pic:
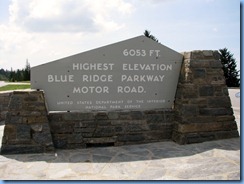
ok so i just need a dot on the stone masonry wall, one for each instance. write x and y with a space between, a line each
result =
26 126
4 101
202 104
79 130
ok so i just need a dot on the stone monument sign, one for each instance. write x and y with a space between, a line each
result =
131 92
137 73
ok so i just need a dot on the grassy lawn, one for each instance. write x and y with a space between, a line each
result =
14 87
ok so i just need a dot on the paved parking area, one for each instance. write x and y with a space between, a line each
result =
215 160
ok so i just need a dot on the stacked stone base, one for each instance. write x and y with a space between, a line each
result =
80 130
203 109
198 137
26 125
4 101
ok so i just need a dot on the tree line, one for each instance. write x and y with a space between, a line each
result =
16 75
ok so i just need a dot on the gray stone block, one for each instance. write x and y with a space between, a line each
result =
189 110
159 135
156 126
198 119
159 118
62 127
36 128
35 119
131 138
75 139
207 90
125 116
101 116
136 115
23 132
199 64
218 102
189 91
30 98
107 131
215 111
86 116
98 140
59 142
34 106
207 53
198 138
216 64
229 125
16 103
199 73
42 138
71 116
85 124
10 119
113 115
119 130
227 134
136 128
87 130
20 149
87 134
103 122
55 117
225 118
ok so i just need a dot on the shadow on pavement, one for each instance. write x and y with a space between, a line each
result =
129 153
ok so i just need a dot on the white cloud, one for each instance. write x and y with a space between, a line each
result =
42 10
44 30
68 15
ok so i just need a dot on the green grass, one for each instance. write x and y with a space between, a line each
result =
14 87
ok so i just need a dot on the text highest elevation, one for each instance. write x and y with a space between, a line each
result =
137 73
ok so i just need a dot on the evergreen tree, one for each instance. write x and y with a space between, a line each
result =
19 75
4 74
229 66
149 35
12 76
26 71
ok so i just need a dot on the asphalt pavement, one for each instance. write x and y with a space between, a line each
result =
2 83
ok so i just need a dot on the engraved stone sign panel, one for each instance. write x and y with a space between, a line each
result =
135 74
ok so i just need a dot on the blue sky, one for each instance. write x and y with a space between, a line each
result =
43 31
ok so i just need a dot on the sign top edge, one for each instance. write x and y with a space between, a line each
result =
141 37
